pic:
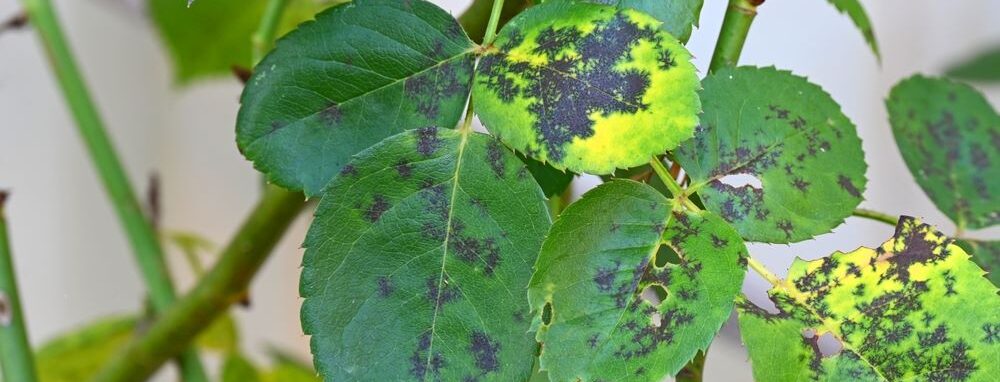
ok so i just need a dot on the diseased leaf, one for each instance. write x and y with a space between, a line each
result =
80 354
914 309
417 262
599 258
361 72
949 136
211 37
854 10
788 135
587 87
678 16
986 254
985 66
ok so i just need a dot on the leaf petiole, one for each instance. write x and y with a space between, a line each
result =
671 183
491 26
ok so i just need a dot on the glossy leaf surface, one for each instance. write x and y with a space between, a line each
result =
587 87
914 309
595 264
360 73
790 136
418 260
949 136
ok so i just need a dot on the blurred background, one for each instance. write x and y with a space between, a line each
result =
75 265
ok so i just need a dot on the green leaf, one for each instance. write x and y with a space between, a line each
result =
237 368
80 354
552 180
290 373
587 87
600 257
914 309
986 254
361 72
985 66
949 136
417 262
209 38
221 336
857 13
789 135
678 16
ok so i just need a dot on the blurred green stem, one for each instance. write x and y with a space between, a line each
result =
876 216
140 233
223 285
475 19
263 37
735 27
16 356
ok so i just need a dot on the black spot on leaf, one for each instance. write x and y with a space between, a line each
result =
378 207
385 286
428 141
494 156
485 351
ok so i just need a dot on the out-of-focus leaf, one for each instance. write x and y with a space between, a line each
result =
985 66
949 136
914 309
857 13
587 87
237 368
222 335
986 254
209 38
80 354
552 180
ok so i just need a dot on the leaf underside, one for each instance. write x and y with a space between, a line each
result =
913 309
359 73
598 259
986 254
949 136
587 87
417 261
791 136
854 10
210 38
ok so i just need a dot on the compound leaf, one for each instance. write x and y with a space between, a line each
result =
359 73
985 66
210 38
857 13
986 254
789 135
600 257
417 262
949 136
914 309
587 87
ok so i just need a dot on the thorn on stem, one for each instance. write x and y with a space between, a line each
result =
18 21
153 200
3 198
241 73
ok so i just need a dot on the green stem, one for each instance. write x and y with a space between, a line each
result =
475 18
140 233
559 202
671 183
758 267
877 216
491 26
263 38
221 287
15 352
735 26
694 370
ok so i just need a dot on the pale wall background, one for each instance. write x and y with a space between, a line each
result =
74 263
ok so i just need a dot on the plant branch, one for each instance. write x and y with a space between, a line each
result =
758 267
15 352
475 18
671 183
491 26
263 37
876 216
735 26
223 285
140 233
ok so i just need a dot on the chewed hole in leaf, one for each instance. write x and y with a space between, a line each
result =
742 180
666 255
654 294
829 345
547 313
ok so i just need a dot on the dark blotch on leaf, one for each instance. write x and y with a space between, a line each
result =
484 350
846 184
378 207
428 141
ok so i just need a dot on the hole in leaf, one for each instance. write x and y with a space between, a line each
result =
829 345
654 294
666 255
547 313
741 180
